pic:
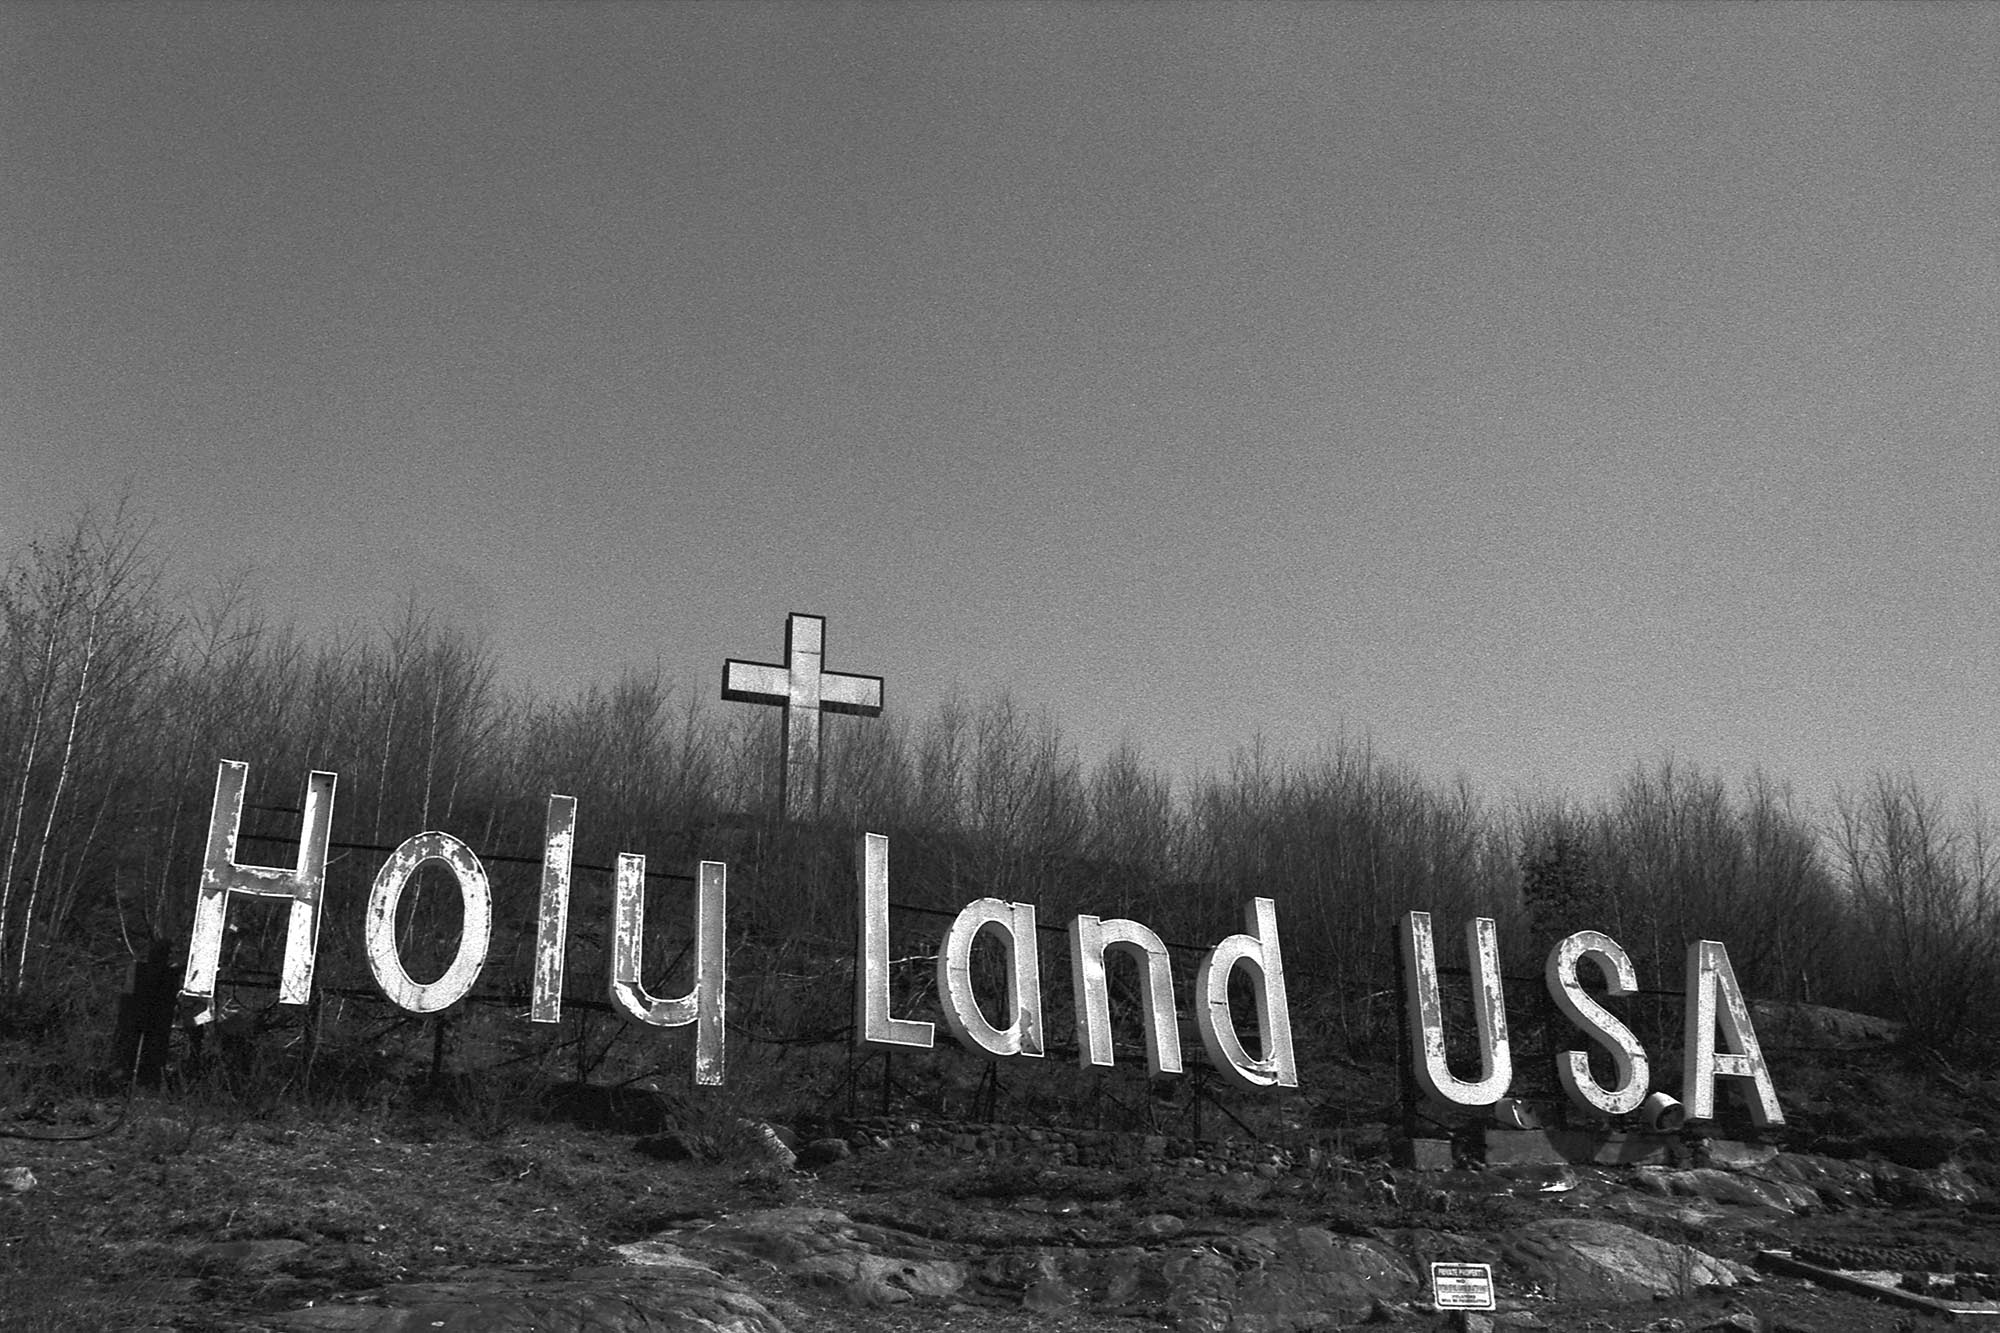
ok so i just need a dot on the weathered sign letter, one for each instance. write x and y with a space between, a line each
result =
1712 994
1595 1021
552 913
878 1031
1089 940
1256 952
475 929
1426 1010
1014 924
221 876
702 1005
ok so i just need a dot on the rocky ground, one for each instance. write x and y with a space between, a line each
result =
562 1209
180 1218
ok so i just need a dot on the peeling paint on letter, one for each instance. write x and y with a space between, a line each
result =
1089 940
221 877
877 1030
1496 1057
1257 952
552 913
703 1004
1712 995
1014 925
1595 1021
475 927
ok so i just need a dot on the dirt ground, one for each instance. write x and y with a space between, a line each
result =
204 1212
132 1228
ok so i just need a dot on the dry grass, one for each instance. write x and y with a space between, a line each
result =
114 1233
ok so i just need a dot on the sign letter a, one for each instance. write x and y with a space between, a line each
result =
1713 996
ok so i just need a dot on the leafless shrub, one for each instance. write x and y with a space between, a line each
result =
116 704
1927 921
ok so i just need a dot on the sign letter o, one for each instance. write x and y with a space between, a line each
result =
475 929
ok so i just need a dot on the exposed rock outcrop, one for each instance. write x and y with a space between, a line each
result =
1586 1258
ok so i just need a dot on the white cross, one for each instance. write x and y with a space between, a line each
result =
805 691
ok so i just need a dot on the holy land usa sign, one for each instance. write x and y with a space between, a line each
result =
1721 1042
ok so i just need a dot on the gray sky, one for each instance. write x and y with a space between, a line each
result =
1540 388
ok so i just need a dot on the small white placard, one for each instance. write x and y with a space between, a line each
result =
1462 1286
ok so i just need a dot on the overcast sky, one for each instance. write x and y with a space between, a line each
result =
1537 388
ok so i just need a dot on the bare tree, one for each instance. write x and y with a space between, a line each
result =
1927 916
1135 832
85 636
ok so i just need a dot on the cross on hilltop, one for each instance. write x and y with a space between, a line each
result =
805 690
